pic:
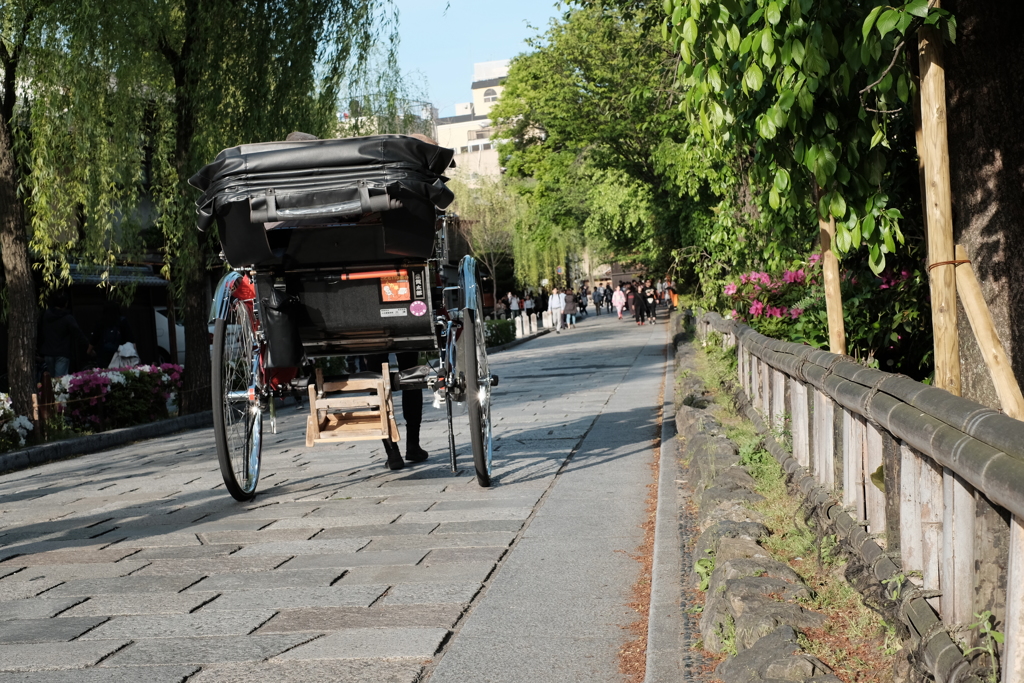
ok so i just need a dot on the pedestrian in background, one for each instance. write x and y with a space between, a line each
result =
598 299
528 305
609 293
112 330
570 310
619 301
582 298
556 303
649 295
513 305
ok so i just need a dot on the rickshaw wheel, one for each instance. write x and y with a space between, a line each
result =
237 416
478 393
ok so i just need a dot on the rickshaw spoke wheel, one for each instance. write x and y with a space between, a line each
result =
237 415
478 392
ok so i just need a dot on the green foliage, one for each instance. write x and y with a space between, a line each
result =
704 567
991 639
790 81
491 212
500 332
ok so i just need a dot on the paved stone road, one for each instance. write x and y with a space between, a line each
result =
135 565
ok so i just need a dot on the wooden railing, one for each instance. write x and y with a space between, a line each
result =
924 471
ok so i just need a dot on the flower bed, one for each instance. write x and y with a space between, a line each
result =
14 428
98 400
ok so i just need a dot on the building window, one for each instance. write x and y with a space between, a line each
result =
463 150
490 95
479 134
487 146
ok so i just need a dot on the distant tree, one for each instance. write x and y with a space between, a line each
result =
490 212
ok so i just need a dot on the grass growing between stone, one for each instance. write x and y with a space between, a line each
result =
854 641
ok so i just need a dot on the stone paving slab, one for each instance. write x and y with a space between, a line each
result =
431 593
324 619
202 623
72 556
46 630
363 559
435 540
149 674
164 651
349 671
68 572
128 604
311 547
135 583
76 655
39 608
212 565
268 580
341 595
421 573
360 643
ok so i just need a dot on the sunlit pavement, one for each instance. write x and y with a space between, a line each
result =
135 565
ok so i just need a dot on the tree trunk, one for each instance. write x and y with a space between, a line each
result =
186 64
195 307
985 76
22 312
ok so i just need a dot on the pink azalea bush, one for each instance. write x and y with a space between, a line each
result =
768 302
101 399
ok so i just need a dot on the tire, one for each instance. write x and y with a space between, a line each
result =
478 394
237 416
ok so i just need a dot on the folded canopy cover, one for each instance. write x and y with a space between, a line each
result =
321 180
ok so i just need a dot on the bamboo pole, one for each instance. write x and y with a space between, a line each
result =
830 269
988 339
938 209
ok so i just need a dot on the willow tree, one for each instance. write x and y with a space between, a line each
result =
71 162
238 72
94 94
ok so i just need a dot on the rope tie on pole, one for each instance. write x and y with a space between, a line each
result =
952 262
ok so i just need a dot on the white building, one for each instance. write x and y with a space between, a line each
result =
469 131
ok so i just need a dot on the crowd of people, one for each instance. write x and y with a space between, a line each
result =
639 298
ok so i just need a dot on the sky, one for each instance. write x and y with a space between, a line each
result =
442 39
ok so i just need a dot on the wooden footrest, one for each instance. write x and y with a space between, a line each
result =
352 409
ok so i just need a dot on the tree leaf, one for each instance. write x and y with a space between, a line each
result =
876 259
773 198
733 37
867 226
870 21
767 41
772 14
753 77
786 100
690 30
798 52
838 205
919 8
887 22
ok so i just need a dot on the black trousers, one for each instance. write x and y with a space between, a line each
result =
412 399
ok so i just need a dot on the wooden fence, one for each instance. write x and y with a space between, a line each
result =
915 465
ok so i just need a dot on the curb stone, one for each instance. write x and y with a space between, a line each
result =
83 445
742 613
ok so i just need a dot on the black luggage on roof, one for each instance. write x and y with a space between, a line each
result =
381 190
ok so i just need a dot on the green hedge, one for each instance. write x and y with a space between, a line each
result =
500 332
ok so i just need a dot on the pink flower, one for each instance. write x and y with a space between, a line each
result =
734 315
813 260
744 279
794 276
756 308
795 313
730 289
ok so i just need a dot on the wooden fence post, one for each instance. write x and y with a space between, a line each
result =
778 419
957 577
824 431
930 493
766 391
1013 653
911 525
874 498
801 428
755 381
853 463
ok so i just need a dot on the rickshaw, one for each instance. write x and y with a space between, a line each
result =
338 248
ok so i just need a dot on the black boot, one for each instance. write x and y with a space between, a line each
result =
394 455
412 409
